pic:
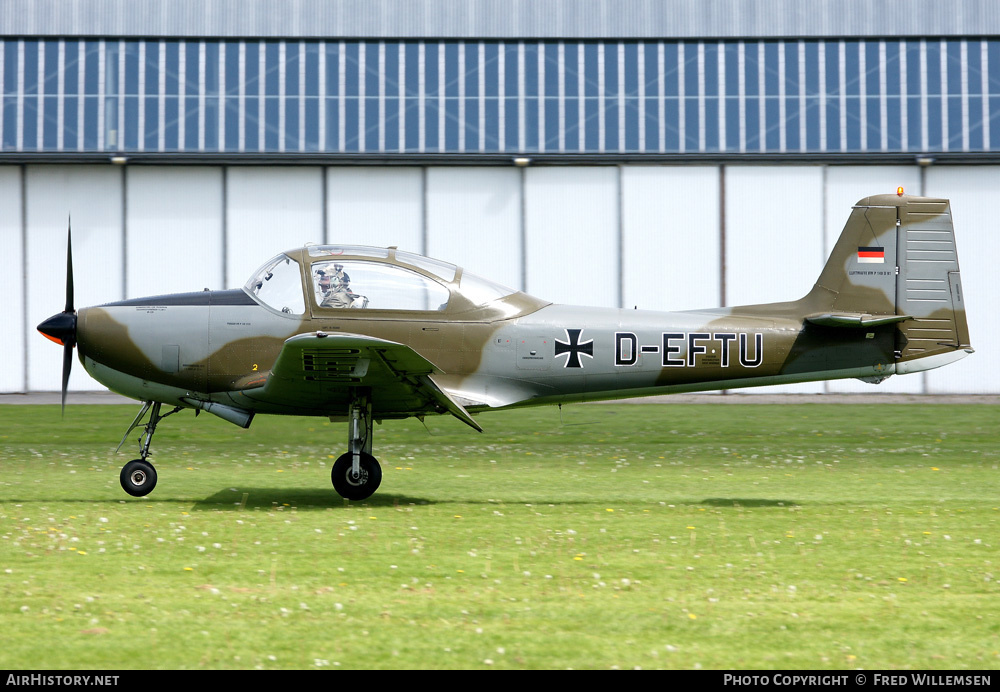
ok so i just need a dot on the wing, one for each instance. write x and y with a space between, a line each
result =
316 371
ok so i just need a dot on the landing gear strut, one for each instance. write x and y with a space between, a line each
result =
356 474
138 477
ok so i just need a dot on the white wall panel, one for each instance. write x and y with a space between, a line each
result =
774 238
173 230
11 287
781 222
670 216
270 209
774 232
474 220
92 195
572 234
845 186
972 191
378 206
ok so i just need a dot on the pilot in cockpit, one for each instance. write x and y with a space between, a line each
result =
323 282
336 287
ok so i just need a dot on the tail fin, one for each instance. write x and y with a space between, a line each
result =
896 261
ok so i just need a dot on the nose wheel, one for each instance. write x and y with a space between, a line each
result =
138 478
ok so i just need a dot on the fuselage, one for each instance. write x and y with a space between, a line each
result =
221 346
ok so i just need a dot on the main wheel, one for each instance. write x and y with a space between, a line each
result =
356 487
138 478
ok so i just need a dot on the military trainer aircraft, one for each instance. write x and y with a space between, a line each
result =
364 334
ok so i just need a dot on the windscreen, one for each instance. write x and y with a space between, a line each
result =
278 284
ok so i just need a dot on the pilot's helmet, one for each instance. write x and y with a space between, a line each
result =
338 267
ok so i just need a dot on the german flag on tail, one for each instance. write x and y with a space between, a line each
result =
871 255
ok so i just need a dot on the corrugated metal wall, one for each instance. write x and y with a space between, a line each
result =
650 236
157 99
498 18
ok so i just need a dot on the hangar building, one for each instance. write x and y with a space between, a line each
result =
665 155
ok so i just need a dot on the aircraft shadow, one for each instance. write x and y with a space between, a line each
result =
299 498
321 498
747 502
305 498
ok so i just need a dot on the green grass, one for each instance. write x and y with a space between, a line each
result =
652 536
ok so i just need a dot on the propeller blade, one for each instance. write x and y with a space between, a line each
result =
61 328
69 268
67 366
68 348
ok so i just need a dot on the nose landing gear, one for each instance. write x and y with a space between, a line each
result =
138 477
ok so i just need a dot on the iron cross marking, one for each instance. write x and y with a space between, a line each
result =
574 348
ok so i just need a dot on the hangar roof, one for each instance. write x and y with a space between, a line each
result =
499 19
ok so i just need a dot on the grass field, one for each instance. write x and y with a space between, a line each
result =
652 536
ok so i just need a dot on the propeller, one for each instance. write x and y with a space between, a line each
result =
61 328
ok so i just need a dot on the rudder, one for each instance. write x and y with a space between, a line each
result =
929 286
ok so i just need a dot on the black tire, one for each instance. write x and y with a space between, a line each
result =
356 488
138 478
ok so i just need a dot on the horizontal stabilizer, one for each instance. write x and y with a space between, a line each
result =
854 319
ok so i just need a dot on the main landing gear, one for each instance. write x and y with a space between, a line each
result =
138 477
356 474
